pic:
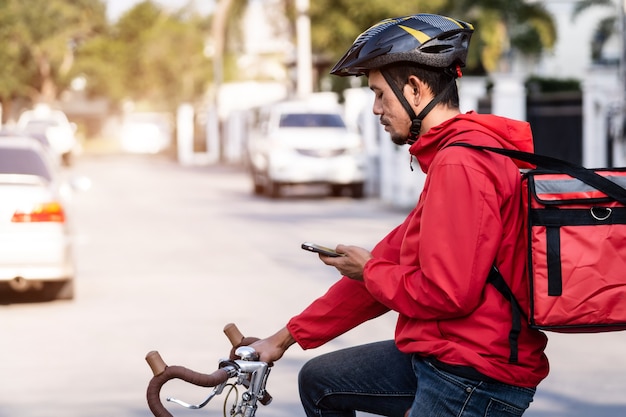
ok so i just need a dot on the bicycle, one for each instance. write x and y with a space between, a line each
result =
247 372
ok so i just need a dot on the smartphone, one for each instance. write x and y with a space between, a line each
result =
312 247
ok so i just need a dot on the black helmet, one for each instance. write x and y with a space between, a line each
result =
426 39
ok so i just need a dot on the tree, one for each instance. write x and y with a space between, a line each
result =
38 39
606 27
148 56
504 28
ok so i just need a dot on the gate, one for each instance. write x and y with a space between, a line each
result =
556 120
557 124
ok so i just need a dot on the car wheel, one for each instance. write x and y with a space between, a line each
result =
259 181
273 189
257 185
60 290
258 189
336 190
357 190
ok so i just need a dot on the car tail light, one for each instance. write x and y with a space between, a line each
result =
44 212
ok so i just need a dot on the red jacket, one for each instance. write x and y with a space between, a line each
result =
432 269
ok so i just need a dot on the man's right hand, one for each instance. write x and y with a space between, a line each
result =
273 348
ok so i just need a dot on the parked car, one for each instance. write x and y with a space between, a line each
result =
146 132
54 124
304 143
35 232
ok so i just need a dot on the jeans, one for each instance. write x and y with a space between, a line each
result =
379 379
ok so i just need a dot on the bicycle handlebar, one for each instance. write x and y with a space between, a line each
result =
233 334
162 373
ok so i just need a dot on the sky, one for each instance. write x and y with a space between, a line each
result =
115 8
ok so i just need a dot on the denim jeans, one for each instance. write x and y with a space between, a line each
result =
379 379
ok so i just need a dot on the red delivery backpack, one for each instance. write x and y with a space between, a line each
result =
576 228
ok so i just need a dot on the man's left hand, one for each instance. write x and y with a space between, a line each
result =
352 263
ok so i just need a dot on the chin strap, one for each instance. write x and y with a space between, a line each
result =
416 120
416 124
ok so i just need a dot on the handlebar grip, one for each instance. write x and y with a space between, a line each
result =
234 335
163 373
238 339
156 362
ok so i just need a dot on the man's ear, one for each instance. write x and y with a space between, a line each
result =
418 87
414 83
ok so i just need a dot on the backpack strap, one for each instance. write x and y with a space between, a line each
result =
495 278
579 172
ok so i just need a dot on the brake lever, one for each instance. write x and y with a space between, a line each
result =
216 391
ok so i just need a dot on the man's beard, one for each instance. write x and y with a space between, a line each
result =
399 139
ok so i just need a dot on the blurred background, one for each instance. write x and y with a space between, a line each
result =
189 77
162 161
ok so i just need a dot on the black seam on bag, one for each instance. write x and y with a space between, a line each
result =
529 261
553 252
575 217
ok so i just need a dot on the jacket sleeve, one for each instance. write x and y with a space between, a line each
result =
448 250
345 305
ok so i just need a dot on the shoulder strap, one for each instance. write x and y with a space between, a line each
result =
585 175
496 279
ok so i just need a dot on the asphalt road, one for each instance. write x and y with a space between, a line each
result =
167 255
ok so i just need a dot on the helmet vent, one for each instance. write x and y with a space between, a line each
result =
437 49
422 39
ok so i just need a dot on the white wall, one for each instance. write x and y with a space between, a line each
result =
571 56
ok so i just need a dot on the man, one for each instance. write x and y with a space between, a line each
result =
452 355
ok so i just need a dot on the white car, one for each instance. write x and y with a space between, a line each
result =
54 124
146 132
35 236
302 143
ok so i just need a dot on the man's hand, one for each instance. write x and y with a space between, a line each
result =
352 263
273 348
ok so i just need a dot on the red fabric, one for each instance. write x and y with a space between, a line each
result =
592 258
432 268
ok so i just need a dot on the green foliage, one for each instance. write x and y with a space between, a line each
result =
37 40
148 55
161 57
503 27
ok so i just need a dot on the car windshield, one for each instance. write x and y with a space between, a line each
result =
24 162
311 120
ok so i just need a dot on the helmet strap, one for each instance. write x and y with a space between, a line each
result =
416 124
416 120
430 106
